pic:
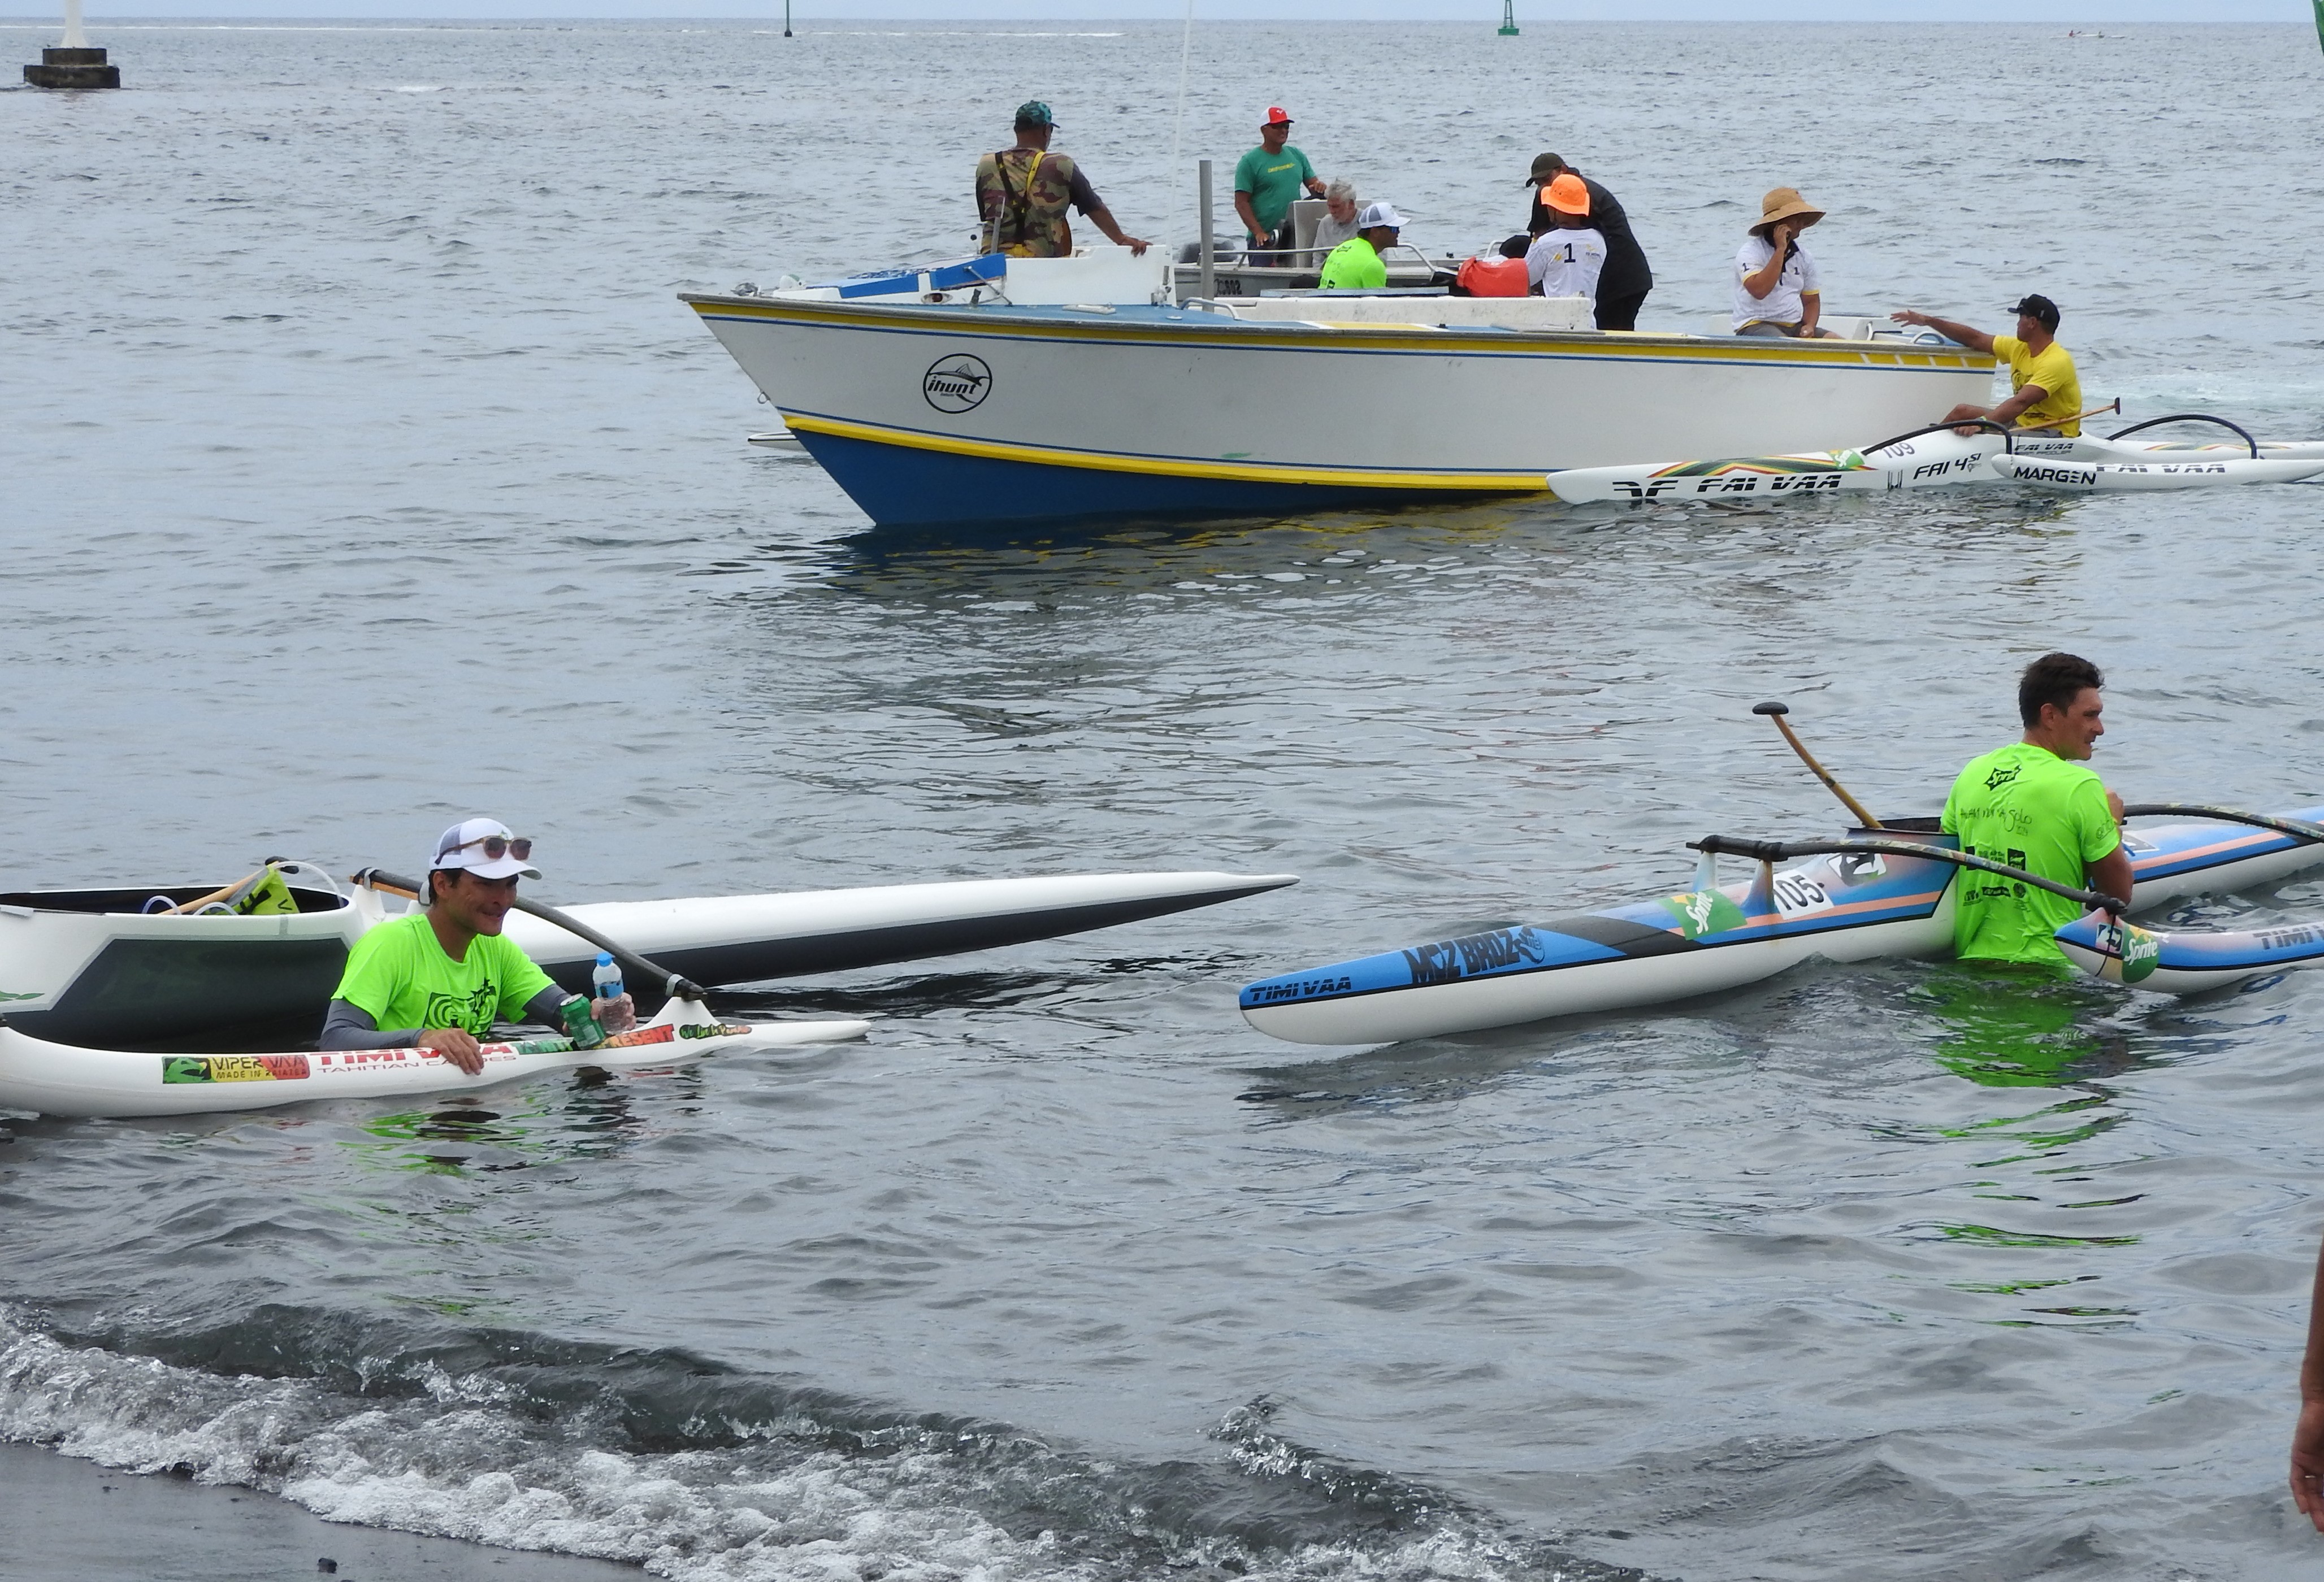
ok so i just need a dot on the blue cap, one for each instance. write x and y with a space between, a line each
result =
604 958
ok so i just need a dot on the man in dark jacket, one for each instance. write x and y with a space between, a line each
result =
1623 285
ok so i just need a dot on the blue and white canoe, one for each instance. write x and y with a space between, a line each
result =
1841 907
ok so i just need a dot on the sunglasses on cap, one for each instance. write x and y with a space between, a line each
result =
495 848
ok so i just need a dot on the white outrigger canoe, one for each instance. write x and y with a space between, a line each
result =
1849 905
69 1081
1938 456
88 967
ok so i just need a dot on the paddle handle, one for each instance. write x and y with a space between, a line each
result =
2114 406
198 902
1776 711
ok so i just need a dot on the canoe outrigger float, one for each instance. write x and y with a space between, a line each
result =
65 1080
1876 892
1938 456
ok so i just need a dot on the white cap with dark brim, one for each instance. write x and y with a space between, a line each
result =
461 846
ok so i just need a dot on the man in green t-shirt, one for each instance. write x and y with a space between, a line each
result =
2046 392
2033 806
439 978
1268 179
1355 265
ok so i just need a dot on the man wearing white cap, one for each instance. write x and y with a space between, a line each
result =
1355 264
439 978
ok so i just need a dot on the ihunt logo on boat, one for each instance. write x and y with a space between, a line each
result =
957 382
1701 912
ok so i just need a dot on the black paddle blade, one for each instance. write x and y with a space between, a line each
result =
1771 708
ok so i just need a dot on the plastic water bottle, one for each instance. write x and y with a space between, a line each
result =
605 982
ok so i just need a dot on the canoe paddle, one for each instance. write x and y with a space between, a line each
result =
1776 711
674 985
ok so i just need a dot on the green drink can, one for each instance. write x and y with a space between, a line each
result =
579 1025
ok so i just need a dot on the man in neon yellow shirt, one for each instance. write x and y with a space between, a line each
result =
2046 392
1355 265
2033 806
439 978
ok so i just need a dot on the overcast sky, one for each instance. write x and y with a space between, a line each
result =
828 13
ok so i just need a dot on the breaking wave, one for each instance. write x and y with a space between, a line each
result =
698 1471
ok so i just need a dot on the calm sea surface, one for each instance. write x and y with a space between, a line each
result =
360 471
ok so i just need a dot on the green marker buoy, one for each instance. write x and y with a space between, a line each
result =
1509 18
2319 21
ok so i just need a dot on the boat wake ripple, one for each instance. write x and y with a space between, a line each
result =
696 1470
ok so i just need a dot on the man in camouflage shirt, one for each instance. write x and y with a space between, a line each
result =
1022 194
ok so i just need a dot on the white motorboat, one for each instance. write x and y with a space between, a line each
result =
89 967
1005 390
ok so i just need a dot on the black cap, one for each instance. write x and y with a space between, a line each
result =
2041 307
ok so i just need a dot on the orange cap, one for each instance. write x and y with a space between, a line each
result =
1568 194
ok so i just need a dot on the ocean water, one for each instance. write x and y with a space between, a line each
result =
361 471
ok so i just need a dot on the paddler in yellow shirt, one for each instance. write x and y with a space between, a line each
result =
2045 391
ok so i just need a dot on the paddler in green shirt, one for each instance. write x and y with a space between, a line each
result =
439 978
2033 806
1355 265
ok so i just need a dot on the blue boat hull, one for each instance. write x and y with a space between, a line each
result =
899 485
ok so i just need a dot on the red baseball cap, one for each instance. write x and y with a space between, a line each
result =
1276 115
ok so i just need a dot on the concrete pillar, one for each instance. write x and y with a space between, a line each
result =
74 64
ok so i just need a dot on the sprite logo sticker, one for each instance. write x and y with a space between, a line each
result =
2140 951
1701 912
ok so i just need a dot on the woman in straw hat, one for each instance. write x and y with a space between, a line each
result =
1778 290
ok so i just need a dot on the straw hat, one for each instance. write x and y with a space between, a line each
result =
1784 203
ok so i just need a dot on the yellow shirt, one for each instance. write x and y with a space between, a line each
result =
2053 370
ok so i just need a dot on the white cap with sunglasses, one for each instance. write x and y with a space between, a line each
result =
485 847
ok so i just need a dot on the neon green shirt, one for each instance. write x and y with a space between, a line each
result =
1352 266
1274 182
400 973
2027 806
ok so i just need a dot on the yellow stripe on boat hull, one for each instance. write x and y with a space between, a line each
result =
1170 467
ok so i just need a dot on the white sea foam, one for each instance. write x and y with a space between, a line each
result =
461 1459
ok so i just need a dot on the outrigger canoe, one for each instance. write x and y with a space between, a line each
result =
1848 905
88 967
66 1080
1938 456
